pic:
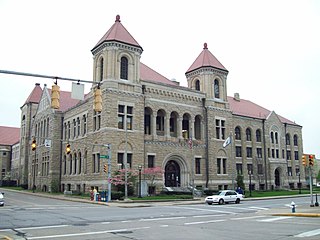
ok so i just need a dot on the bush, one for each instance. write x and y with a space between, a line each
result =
117 195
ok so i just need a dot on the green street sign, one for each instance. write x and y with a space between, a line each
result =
104 156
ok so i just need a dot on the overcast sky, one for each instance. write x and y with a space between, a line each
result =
271 48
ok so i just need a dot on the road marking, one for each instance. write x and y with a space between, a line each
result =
309 233
243 218
88 233
204 222
204 216
260 208
105 222
273 219
159 219
207 210
164 225
43 227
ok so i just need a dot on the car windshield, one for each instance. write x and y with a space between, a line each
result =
221 193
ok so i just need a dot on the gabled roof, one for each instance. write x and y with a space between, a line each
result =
149 74
35 95
247 108
9 135
206 59
119 33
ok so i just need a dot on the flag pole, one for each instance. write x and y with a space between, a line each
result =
233 164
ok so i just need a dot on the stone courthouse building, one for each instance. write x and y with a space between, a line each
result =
151 121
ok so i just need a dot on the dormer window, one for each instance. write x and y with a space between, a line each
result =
216 89
124 68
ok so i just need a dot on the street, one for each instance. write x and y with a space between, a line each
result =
32 217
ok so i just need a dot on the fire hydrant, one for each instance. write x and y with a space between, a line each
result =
293 207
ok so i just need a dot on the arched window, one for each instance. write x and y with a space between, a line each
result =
248 134
287 139
295 140
237 133
197 85
124 68
258 135
101 70
276 137
216 89
272 137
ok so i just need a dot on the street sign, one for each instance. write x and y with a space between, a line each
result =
104 156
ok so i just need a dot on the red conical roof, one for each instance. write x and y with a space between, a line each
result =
206 59
35 95
119 33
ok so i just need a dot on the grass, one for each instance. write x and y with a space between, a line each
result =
279 193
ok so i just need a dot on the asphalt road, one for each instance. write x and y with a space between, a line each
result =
33 217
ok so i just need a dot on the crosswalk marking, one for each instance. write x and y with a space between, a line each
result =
309 233
273 219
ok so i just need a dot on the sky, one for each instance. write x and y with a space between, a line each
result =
271 48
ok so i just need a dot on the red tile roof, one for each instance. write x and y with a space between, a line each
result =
249 109
149 74
9 135
119 33
206 59
35 95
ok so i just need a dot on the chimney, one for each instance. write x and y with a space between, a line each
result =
237 97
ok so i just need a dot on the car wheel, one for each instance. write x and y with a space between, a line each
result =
237 201
209 203
221 201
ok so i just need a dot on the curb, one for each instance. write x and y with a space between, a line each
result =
297 214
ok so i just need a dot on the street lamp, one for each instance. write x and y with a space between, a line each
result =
34 174
140 168
299 184
250 188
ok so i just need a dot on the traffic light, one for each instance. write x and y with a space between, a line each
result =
304 160
68 149
34 144
105 168
97 104
55 96
311 160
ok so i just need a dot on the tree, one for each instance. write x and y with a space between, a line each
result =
152 174
118 180
240 182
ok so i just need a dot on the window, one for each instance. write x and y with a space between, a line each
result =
124 68
259 152
237 133
288 155
69 130
84 124
272 153
248 134
78 127
74 128
272 137
197 85
198 165
260 168
277 153
295 140
125 112
151 161
221 166
250 168
101 70
96 120
249 152
239 169
296 155
220 129
238 151
96 163
276 137
216 89
121 160
287 139
289 171
258 135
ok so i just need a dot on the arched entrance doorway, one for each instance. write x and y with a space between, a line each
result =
277 178
172 174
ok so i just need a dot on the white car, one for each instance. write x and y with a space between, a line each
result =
1 199
224 196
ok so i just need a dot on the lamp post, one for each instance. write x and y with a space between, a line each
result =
140 168
250 184
299 183
34 174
